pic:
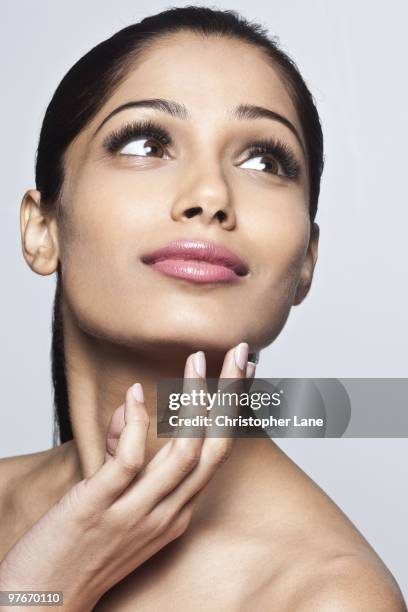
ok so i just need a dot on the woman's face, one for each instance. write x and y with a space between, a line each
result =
125 198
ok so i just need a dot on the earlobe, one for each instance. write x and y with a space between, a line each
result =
39 235
306 275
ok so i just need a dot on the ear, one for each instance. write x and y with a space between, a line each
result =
306 274
39 235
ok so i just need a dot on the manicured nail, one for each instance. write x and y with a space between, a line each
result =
250 371
189 369
241 355
199 363
137 391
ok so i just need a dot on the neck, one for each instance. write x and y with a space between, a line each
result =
98 376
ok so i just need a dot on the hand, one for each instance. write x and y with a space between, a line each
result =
107 525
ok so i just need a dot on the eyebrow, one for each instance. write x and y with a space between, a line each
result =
179 111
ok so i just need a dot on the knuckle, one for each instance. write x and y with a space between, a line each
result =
118 518
129 465
180 524
127 515
219 452
188 458
91 521
110 521
160 522
141 418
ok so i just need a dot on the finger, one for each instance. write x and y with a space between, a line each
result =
171 526
194 377
117 473
177 458
231 385
116 426
215 450
184 472
188 435
251 369
250 375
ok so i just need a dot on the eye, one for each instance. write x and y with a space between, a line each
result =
139 139
274 157
265 163
143 147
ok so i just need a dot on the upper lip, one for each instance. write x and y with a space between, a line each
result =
198 250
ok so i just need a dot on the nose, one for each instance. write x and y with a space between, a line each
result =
205 196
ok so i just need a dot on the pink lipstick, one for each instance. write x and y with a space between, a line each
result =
197 261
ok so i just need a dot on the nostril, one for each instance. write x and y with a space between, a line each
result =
192 211
221 215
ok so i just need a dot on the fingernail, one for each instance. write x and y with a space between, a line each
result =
241 355
137 391
199 363
250 370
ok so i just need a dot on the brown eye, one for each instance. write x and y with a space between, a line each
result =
143 147
266 163
273 157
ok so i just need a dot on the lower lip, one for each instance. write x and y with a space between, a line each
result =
196 271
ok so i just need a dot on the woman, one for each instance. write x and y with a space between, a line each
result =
189 137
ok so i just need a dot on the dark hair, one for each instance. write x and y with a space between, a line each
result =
89 83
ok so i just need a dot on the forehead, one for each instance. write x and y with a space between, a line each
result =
209 75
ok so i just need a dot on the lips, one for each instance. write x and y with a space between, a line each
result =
198 261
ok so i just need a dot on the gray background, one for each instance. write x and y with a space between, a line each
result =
354 321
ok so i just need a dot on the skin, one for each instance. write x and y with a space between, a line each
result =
276 539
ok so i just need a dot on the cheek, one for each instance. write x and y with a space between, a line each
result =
284 247
108 226
279 240
113 214
277 227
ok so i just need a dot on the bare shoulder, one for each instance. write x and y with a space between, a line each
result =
354 584
344 583
24 492
325 563
16 468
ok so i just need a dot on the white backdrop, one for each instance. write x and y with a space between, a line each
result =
353 323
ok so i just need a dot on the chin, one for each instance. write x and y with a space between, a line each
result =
211 336
201 327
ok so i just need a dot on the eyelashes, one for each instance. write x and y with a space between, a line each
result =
130 131
277 151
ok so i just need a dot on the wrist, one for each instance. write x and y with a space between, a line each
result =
75 599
